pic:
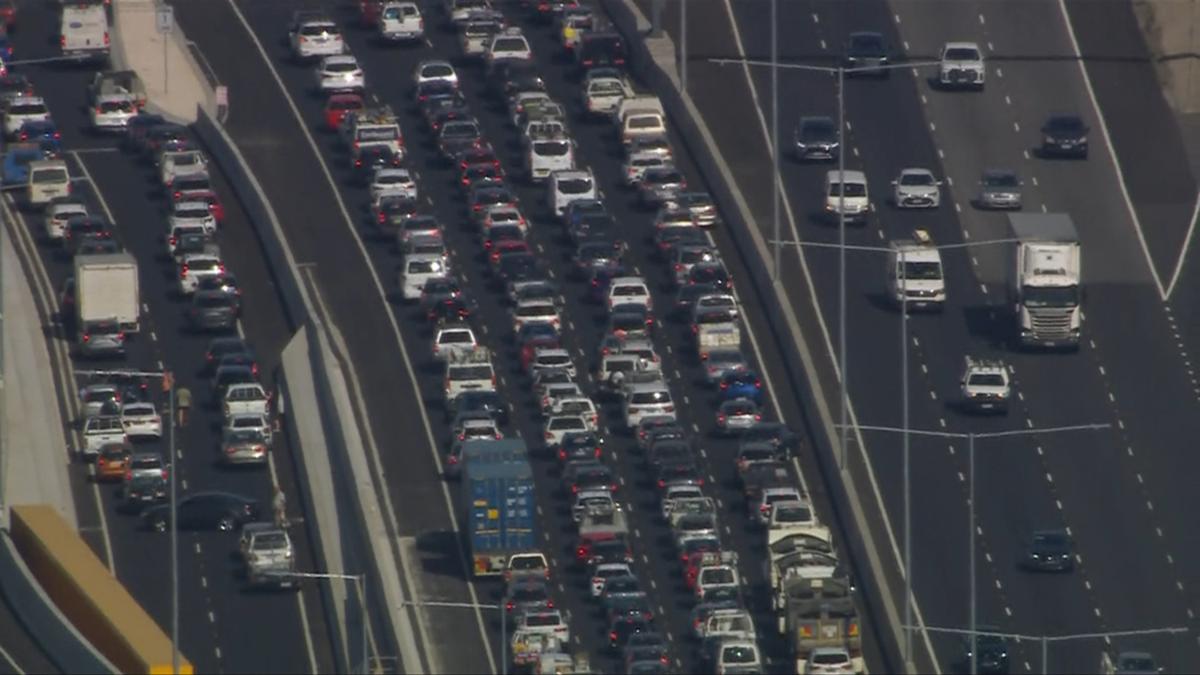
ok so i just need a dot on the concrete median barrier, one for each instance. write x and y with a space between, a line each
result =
653 60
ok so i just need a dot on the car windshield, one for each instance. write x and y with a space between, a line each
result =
424 267
852 189
246 436
962 54
869 43
830 659
270 540
440 70
603 87
1050 540
645 122
916 179
923 271
341 67
460 130
575 186
50 176
551 148
1001 180
1064 296
1065 124
27 109
471 373
738 655
456 337
986 380
819 130
514 44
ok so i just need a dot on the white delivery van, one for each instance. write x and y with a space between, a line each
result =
48 178
83 32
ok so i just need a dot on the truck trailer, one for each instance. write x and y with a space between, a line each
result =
106 289
1045 289
500 504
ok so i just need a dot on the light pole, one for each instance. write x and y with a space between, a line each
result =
1045 640
970 437
840 72
683 45
902 273
360 587
168 385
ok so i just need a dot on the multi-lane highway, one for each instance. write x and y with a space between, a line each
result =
1118 491
388 339
223 627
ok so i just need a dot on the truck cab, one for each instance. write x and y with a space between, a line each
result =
915 276
1046 286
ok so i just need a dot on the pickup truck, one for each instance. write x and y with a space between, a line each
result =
118 83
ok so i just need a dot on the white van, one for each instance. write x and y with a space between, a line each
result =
48 178
640 116
853 184
83 32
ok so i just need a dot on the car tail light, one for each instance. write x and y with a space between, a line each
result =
703 356
562 455
662 484
86 337
574 489
453 459
587 62
612 487
509 605
106 39
720 419
62 41
581 552
612 636
121 335
764 509
550 604
757 418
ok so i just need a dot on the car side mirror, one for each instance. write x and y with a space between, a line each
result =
939 183
894 182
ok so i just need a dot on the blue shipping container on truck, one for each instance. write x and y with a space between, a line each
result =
501 504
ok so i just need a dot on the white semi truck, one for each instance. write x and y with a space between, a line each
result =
107 290
1045 289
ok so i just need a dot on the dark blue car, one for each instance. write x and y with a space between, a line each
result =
741 384
41 131
16 162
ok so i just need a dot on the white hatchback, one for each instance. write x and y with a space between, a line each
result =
141 420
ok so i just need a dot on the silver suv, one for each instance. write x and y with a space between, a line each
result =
985 386
267 552
99 339
1000 189
917 188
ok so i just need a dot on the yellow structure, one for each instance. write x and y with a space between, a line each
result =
88 595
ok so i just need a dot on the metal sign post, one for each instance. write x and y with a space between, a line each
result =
164 21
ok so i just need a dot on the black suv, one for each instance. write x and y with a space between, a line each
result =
600 50
1065 136
867 54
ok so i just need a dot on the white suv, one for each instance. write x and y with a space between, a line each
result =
315 36
645 399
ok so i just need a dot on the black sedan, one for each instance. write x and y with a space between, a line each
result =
222 511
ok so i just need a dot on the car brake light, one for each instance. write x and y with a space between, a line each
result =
86 337
703 356
562 454
453 459
757 418
662 484
612 487
721 419
613 636
106 40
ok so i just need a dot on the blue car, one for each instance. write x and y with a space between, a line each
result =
16 162
741 384
41 131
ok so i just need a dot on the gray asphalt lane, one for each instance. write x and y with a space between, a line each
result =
884 148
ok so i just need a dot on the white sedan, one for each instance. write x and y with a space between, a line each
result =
141 420
392 182
340 73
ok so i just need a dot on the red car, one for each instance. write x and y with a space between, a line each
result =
338 105
369 11
214 202
502 247
8 13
